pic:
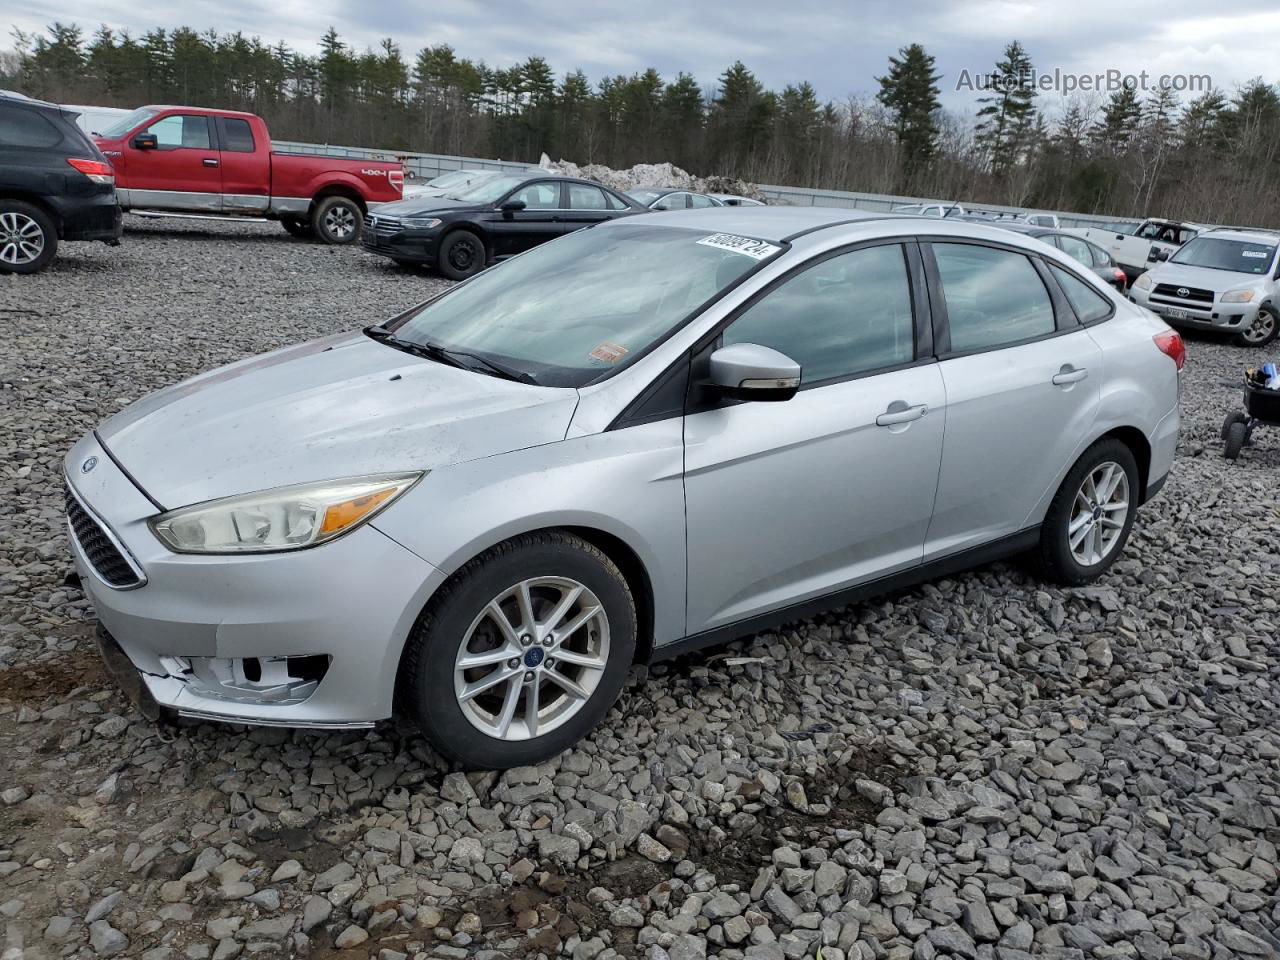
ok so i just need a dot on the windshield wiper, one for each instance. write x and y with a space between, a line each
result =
433 351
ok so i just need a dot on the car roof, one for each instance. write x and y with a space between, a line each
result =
200 110
1246 234
22 98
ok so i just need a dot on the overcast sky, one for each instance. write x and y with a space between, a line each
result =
840 48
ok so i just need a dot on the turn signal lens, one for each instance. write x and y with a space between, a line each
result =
340 516
95 170
1170 344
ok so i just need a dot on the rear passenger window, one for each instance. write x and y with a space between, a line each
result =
698 200
846 315
239 135
26 128
584 197
1087 302
993 297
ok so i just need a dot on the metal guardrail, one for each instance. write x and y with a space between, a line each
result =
424 166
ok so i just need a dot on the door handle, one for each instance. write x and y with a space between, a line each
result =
903 414
1069 374
209 162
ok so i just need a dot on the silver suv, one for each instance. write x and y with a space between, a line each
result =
652 435
1224 279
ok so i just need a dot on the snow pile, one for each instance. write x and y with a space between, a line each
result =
651 175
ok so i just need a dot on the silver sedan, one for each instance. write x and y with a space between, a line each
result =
659 433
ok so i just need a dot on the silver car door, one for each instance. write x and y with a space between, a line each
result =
789 501
1022 381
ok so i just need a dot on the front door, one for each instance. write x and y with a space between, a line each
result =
1022 383
790 501
515 231
181 172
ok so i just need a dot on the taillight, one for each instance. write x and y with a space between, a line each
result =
95 170
396 179
1120 277
1170 343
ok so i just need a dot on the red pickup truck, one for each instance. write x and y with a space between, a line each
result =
193 162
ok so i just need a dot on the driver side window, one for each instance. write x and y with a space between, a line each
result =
846 315
176 132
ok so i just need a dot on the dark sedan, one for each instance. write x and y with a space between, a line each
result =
1073 245
497 218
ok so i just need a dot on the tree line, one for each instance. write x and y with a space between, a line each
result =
1211 156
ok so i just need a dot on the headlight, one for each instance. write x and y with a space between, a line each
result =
1239 296
1143 282
286 518
419 223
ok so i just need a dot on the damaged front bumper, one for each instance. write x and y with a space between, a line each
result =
310 638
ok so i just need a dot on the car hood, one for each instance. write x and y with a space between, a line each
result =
425 206
1205 278
343 406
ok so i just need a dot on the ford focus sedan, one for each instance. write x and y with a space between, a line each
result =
651 435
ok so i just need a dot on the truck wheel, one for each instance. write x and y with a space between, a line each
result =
337 220
521 653
28 238
461 255
296 227
1264 329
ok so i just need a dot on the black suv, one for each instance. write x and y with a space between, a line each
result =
55 184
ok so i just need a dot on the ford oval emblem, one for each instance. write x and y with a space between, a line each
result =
88 464
1183 292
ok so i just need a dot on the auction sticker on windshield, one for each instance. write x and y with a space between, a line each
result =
755 249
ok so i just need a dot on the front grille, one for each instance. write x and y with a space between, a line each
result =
383 226
98 546
1176 290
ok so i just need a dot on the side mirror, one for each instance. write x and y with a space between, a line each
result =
512 206
748 371
145 141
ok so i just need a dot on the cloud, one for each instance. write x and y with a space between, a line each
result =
839 48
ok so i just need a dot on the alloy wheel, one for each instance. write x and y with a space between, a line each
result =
532 658
1263 326
1098 514
340 222
21 239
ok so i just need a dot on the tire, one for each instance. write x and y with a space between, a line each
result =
297 228
459 620
28 238
462 255
337 220
1089 558
1237 433
1264 329
1234 417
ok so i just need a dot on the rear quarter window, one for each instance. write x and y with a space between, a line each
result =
22 127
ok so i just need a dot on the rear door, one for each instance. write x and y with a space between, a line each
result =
182 172
794 500
245 166
586 205
515 231
1022 380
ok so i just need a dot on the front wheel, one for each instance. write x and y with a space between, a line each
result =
28 238
337 220
1264 329
1091 515
521 653
461 255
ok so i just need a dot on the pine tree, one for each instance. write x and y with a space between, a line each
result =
1119 121
910 92
1007 118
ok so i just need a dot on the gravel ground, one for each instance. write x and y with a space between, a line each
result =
983 767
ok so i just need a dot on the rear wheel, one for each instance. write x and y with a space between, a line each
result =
521 653
1264 328
1091 515
28 238
1237 433
461 255
296 227
337 220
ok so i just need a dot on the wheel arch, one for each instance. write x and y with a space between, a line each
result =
37 201
1140 447
337 189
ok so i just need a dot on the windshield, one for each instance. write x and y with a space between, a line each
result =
1216 253
122 126
450 179
586 304
489 190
